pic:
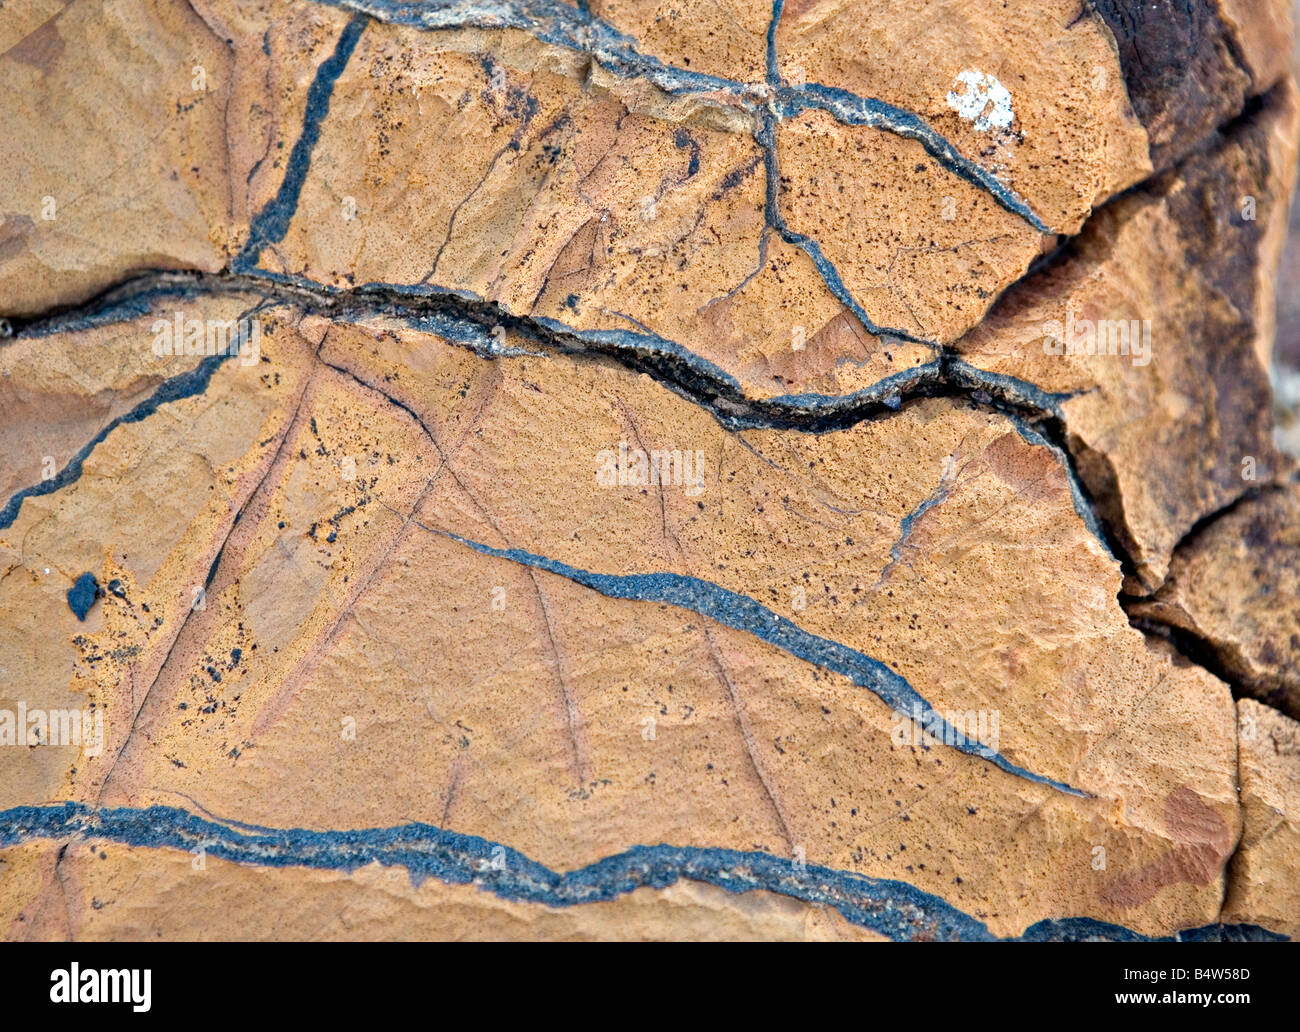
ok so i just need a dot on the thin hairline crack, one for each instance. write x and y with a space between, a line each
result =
576 29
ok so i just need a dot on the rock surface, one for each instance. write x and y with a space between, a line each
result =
634 492
1159 429
1234 591
1259 892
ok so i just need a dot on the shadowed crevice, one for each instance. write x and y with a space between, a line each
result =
742 613
468 321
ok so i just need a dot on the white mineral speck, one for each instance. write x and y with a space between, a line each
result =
984 101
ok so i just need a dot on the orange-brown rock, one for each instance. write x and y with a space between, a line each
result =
1269 758
301 693
1152 328
637 470
1233 591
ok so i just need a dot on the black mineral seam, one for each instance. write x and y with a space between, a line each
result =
469 321
559 24
272 222
894 909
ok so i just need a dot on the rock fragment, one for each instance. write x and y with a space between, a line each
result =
1233 591
607 470
1155 325
1261 887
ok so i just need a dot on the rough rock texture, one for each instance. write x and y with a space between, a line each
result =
1262 887
1234 591
645 486
98 881
1163 438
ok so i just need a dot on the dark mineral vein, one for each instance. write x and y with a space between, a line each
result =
850 109
830 275
572 28
895 909
742 613
562 25
184 385
469 321
272 223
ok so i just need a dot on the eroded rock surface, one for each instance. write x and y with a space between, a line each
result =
634 467
1234 591
1259 892
1152 327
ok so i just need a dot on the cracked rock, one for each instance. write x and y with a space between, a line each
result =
641 470
385 521
1234 590
1259 892
1156 326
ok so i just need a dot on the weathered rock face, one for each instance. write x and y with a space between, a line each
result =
554 466
1233 593
1269 757
1148 330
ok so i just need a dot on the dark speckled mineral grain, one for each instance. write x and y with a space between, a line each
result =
82 595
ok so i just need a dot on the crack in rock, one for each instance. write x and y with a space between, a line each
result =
891 908
742 613
471 322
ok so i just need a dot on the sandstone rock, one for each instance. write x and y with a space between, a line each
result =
1234 590
138 135
1053 121
628 494
1160 429
182 464
1258 891
301 694
226 901
1190 67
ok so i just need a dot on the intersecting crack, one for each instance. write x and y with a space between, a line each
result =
1223 659
469 321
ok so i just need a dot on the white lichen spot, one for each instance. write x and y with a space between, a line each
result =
982 100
